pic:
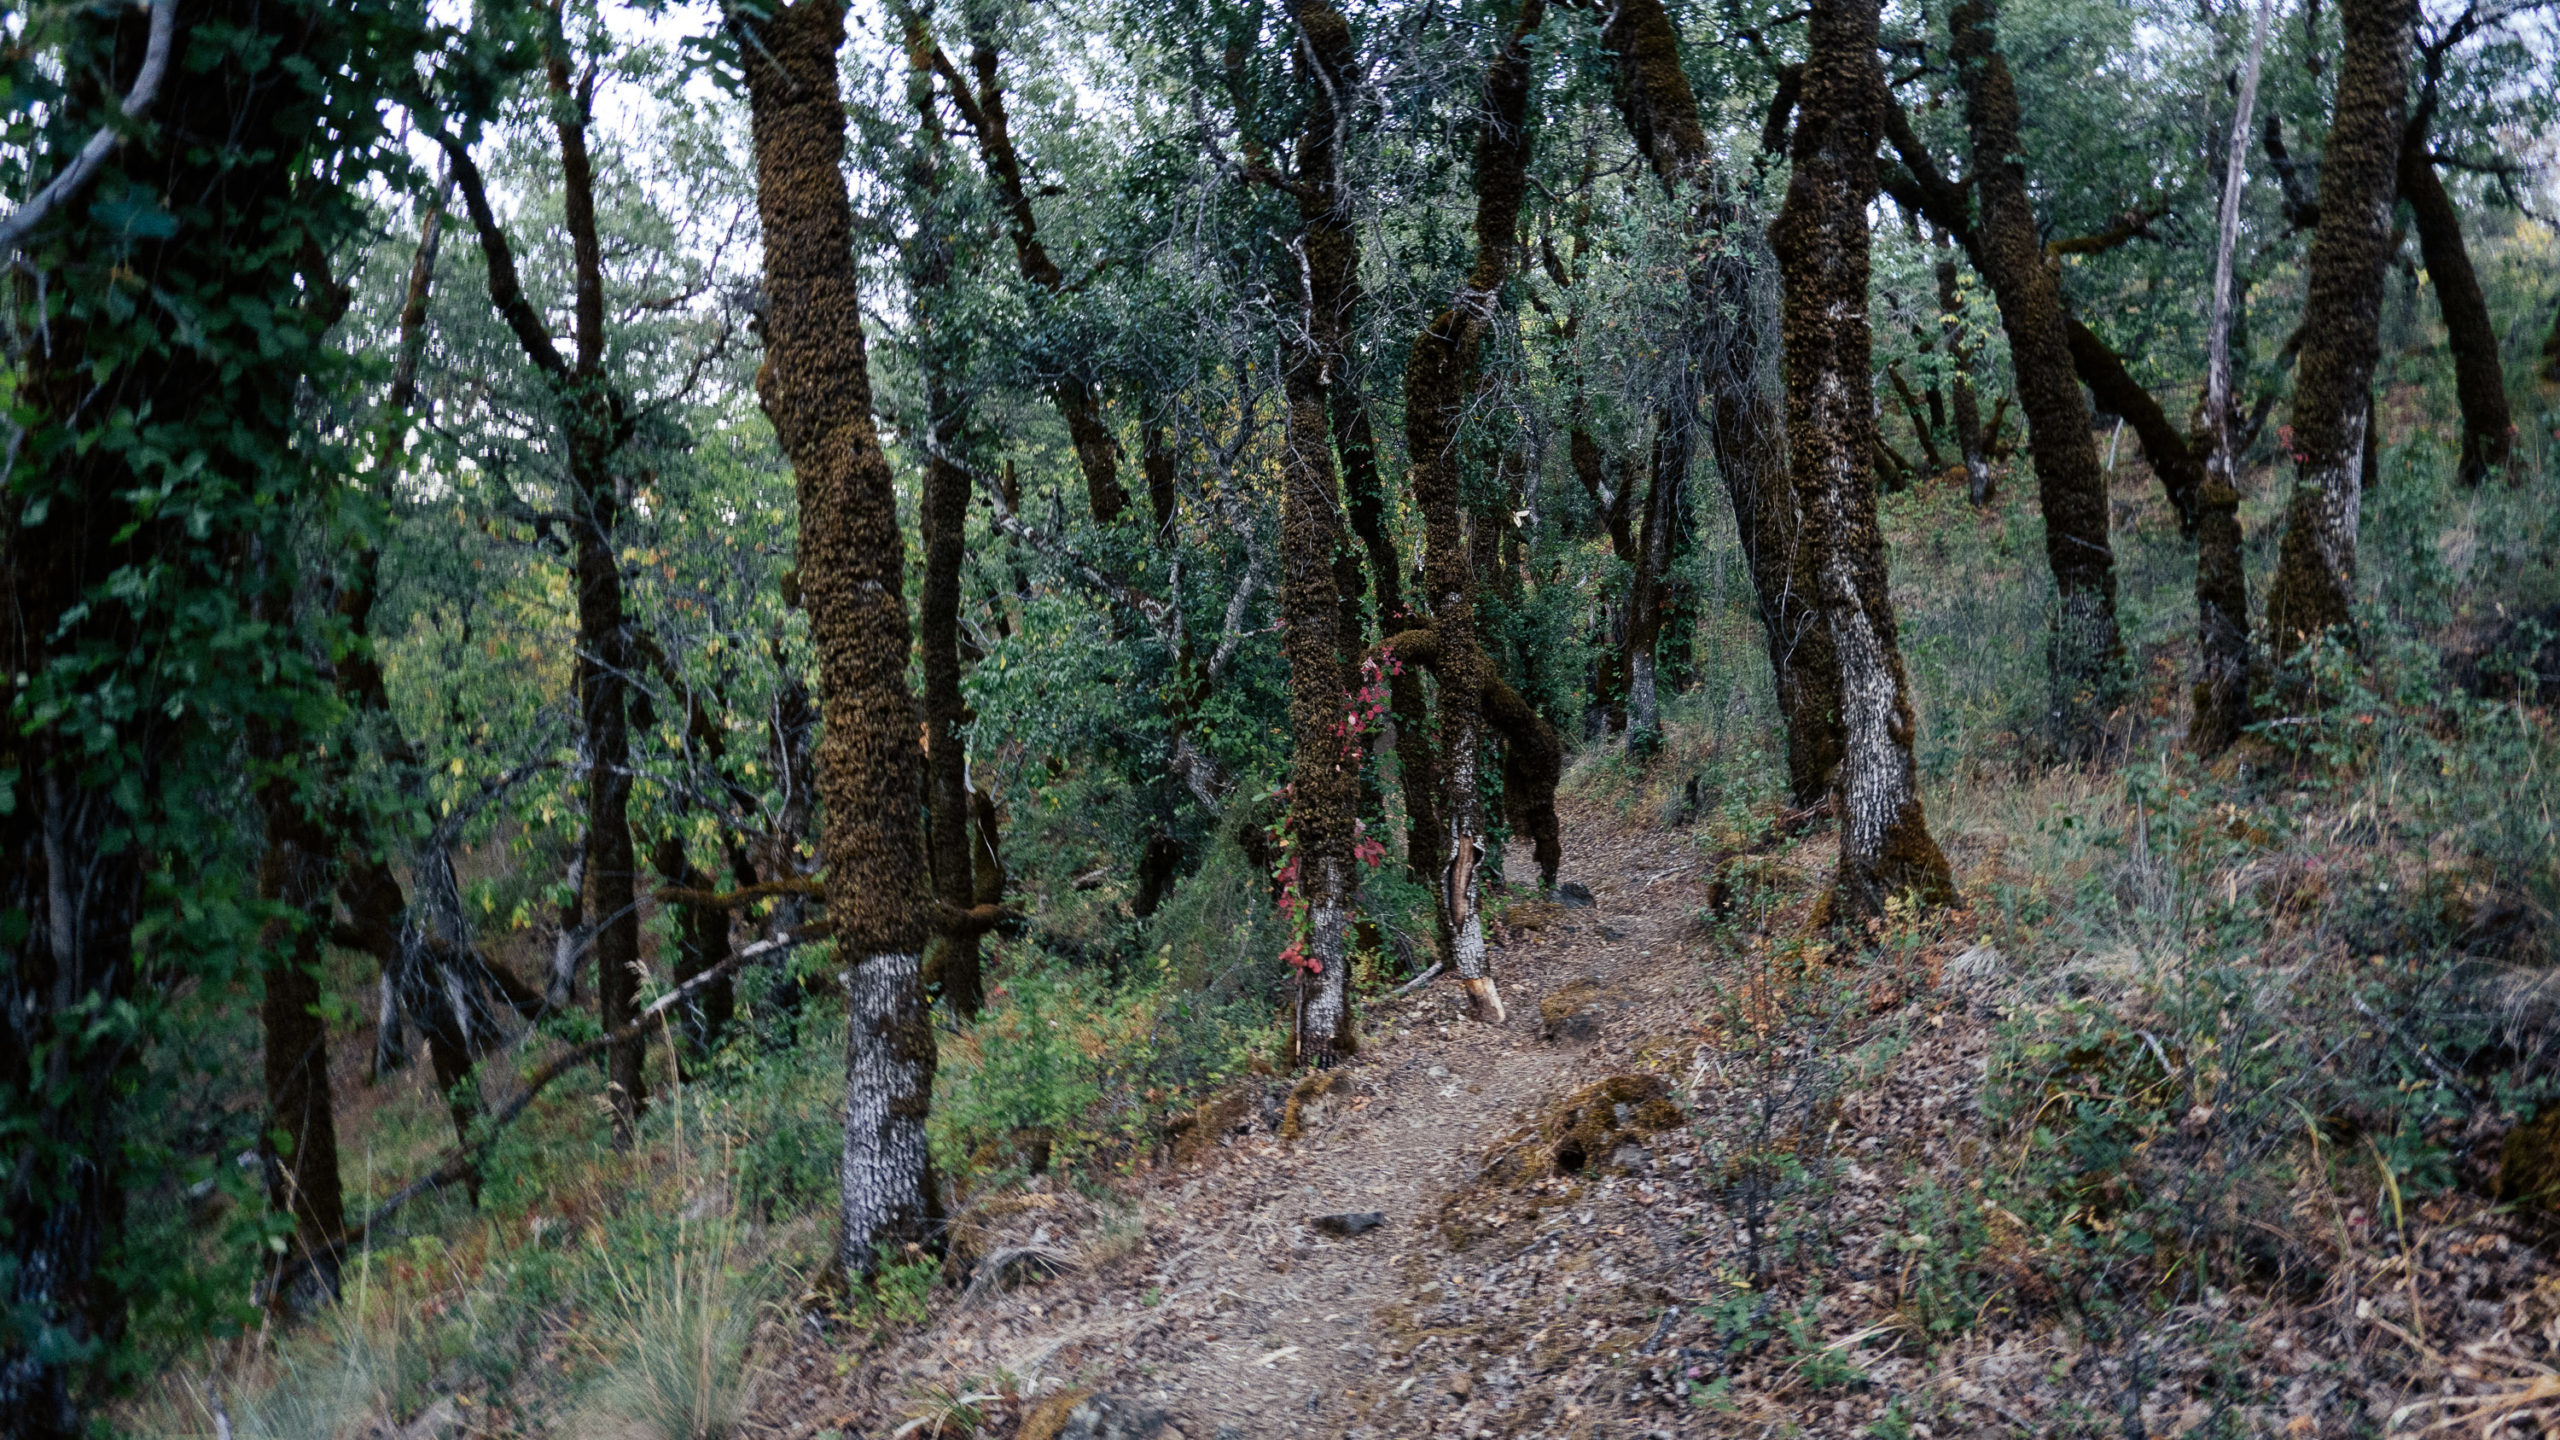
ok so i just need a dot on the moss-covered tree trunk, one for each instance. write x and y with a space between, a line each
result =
2314 589
2086 648
1728 348
2479 379
816 387
1321 630
1960 353
1440 378
1323 48
1821 240
951 964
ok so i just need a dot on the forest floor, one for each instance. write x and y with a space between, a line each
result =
1559 1254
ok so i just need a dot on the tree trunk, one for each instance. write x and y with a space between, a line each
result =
2178 462
951 965
2221 702
702 942
125 558
1960 350
2086 650
1440 379
1821 240
1325 755
2479 380
300 1143
2314 590
816 387
1097 454
1728 348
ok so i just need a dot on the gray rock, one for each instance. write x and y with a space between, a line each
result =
1108 1417
1348 1224
1574 895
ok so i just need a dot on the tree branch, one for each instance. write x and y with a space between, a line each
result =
84 166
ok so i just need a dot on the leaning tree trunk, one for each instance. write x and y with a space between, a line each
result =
1821 239
1097 454
2479 380
816 387
1728 347
2086 650
1440 378
2221 703
2314 589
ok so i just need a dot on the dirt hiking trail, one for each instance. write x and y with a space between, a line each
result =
1234 1317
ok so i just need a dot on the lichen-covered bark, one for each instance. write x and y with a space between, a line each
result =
2479 380
1323 758
2087 649
1728 346
1821 241
2314 586
1440 378
816 387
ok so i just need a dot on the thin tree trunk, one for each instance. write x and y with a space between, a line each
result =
2314 590
1439 380
951 965
816 387
1097 454
1821 240
2221 703
702 942
2479 380
1728 346
2087 650
1960 350
1332 247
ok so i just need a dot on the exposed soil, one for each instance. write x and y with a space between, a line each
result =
1563 1253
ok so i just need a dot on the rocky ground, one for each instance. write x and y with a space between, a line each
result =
1668 1195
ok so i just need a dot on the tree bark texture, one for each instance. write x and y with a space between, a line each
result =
816 387
951 964
2479 379
1440 378
1728 347
1821 240
2221 698
1325 748
2314 589
2087 650
300 1144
